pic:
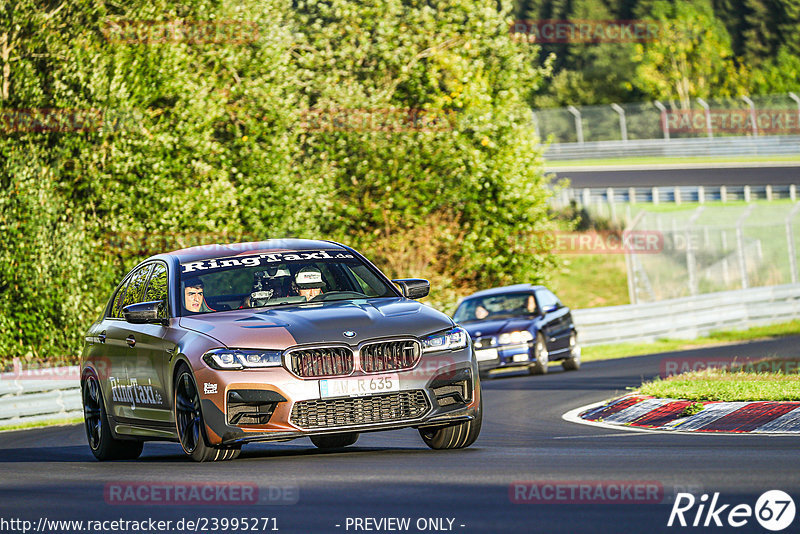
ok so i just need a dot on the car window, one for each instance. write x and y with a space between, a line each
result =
116 309
547 299
274 279
135 291
157 287
497 306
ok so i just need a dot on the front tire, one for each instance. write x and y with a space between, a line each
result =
457 436
98 431
190 425
573 363
335 441
540 352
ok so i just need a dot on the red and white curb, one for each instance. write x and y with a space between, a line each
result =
643 413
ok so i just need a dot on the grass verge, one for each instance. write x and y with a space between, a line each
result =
667 160
730 385
625 350
39 424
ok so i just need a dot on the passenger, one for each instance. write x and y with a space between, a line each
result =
308 282
481 312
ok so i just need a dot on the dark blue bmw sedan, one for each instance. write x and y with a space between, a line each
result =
520 326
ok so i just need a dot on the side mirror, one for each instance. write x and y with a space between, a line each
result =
413 288
551 308
145 313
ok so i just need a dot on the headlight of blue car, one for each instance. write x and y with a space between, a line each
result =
515 338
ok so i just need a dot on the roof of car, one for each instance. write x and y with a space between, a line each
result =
254 247
505 289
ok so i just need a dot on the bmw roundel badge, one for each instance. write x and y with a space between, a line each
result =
349 333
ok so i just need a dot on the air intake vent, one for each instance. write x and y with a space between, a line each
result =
357 411
321 362
389 356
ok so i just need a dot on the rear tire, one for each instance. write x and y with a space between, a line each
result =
190 425
98 431
457 436
335 441
573 363
539 367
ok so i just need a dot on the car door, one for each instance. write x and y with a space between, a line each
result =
148 357
121 346
555 320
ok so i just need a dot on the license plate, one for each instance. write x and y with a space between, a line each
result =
357 387
486 354
521 358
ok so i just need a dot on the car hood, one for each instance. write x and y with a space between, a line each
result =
282 327
497 326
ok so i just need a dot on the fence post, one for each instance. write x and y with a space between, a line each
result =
703 103
611 207
752 114
747 193
740 244
691 260
790 242
535 120
723 194
664 122
578 122
701 194
623 126
655 195
796 99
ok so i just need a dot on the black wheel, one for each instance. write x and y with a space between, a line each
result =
335 441
573 363
456 436
539 367
189 422
103 444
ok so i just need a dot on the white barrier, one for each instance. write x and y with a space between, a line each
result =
688 317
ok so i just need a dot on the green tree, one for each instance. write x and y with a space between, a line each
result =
691 57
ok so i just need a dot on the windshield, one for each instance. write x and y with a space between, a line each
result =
274 279
495 307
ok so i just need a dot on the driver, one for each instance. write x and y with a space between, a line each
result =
308 282
193 301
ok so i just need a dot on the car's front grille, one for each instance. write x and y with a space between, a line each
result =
320 362
356 411
389 356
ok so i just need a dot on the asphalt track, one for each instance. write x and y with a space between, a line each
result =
710 176
50 473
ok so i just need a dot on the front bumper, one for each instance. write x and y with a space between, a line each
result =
275 405
501 356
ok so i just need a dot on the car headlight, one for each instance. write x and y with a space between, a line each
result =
456 338
514 338
227 359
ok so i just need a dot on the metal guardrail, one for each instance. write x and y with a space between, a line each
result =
28 399
588 196
776 145
39 395
688 317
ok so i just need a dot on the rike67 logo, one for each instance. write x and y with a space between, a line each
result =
774 510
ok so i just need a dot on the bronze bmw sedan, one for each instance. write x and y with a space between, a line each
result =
217 346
